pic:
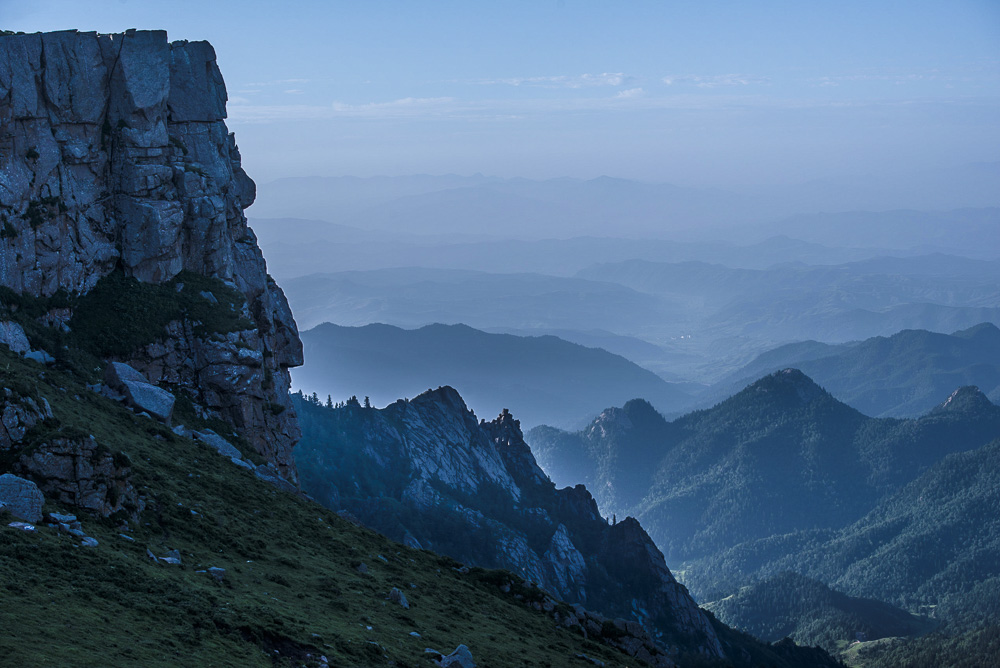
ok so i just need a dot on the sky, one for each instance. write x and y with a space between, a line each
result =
707 94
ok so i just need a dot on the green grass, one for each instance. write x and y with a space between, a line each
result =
291 582
121 314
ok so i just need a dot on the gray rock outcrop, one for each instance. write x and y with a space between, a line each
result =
12 335
78 472
473 491
139 392
114 154
21 498
460 658
71 468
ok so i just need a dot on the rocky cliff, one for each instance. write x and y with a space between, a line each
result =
427 473
115 160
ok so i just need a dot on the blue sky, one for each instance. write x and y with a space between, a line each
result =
696 93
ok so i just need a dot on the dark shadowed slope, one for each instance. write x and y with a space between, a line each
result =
426 472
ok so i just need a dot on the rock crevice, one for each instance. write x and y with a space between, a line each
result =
115 155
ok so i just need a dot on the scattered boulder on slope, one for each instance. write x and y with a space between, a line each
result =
139 392
21 497
12 335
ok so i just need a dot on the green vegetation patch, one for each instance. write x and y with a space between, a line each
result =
291 592
122 314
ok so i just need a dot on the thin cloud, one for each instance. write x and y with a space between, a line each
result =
630 93
561 81
714 81
626 101
277 82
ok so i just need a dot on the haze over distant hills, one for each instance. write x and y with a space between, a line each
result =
780 456
412 297
296 247
703 321
541 379
566 207
903 375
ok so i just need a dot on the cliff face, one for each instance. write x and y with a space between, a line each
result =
114 155
427 473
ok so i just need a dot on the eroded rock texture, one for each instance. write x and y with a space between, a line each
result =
114 154
71 468
426 472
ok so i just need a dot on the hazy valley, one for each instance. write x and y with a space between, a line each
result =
555 334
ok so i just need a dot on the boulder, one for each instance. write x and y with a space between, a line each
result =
221 445
117 373
139 392
40 356
271 476
150 398
460 658
23 526
399 597
12 335
21 497
242 463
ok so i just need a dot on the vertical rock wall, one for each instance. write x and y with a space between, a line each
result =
114 153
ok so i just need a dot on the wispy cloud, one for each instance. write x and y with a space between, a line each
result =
623 102
561 81
714 81
630 93
276 82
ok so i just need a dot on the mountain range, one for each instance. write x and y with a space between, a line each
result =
792 513
932 547
426 472
700 321
540 378
903 375
150 505
780 456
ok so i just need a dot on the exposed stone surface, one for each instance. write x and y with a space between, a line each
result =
114 153
21 497
221 445
12 335
116 374
399 597
472 490
460 658
39 356
150 398
78 472
72 469
18 414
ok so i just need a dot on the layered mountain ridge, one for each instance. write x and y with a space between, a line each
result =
779 456
426 472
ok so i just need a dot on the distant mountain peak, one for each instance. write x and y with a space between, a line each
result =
986 331
444 395
968 399
635 407
789 384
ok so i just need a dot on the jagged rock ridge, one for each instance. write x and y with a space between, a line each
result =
114 155
427 473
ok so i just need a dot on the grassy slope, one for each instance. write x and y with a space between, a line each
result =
290 585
